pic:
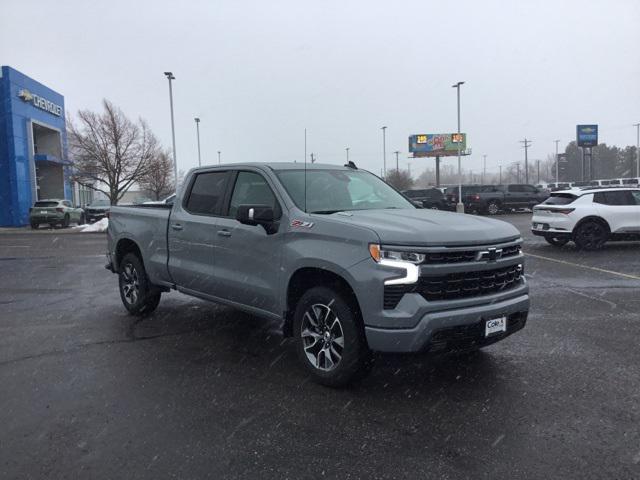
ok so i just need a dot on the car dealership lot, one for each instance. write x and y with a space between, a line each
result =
199 390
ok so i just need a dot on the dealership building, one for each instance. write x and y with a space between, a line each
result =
34 164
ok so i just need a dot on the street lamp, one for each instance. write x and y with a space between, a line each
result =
459 205
637 125
198 136
384 151
347 150
557 169
170 77
484 167
218 157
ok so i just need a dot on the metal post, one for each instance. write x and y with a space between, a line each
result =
198 135
538 168
397 161
557 169
527 144
460 204
437 170
637 125
500 178
218 157
170 77
384 151
484 167
347 149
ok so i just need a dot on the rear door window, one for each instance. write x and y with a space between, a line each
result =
207 193
623 197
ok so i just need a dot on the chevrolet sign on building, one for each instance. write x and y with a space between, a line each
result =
40 102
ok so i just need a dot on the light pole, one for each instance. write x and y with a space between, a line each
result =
198 136
637 125
500 177
218 157
459 205
557 170
397 152
170 77
484 167
384 151
347 150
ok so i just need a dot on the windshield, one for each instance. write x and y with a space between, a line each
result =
330 191
99 203
560 199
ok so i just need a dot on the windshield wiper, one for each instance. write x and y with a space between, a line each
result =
326 212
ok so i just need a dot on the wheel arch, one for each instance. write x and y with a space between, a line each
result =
124 246
594 218
305 278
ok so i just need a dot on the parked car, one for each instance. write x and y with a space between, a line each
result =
55 212
345 262
451 195
590 217
555 186
428 198
97 210
493 199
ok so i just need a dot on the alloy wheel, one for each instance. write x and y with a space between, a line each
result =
130 284
322 337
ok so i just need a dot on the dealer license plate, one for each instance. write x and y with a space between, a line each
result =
44 212
495 325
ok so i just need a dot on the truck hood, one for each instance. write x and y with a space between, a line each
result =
429 227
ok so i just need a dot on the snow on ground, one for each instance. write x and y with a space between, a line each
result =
100 226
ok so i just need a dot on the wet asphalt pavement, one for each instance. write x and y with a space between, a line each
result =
203 391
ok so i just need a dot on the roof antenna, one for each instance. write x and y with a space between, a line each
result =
305 170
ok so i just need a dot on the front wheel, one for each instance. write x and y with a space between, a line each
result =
591 235
138 295
82 220
330 339
34 225
65 221
556 241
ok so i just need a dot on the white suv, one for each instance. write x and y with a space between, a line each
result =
588 216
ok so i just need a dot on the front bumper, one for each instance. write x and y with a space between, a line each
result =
451 330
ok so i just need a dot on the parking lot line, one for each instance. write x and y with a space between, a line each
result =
579 265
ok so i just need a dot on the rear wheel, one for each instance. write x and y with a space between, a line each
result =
65 221
330 338
493 208
82 220
34 225
591 235
556 241
138 295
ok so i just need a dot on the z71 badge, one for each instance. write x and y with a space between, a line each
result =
300 223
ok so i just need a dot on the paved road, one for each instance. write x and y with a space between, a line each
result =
199 390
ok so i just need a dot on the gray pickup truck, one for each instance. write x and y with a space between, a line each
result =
344 261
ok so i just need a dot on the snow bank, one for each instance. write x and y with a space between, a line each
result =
100 226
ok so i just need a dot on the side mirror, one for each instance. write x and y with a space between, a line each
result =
255 214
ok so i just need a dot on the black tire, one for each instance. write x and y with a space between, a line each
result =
35 225
341 366
82 220
65 222
591 235
557 241
138 295
493 207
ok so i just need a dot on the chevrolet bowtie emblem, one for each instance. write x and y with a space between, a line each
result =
25 95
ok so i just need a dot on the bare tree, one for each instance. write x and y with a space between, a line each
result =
158 179
400 179
109 151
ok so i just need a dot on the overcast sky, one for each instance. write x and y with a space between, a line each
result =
257 73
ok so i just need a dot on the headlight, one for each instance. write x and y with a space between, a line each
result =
406 261
379 254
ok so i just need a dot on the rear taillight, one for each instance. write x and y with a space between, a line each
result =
60 210
476 197
565 211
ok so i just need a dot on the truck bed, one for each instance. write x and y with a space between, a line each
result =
148 224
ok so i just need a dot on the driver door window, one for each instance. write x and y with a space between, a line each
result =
252 189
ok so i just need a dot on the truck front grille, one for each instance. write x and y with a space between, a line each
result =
455 286
460 256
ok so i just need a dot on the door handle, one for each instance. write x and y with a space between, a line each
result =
176 226
224 233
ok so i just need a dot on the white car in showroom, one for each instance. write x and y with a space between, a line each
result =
589 216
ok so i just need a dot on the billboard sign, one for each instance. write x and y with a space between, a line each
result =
587 135
563 164
437 144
